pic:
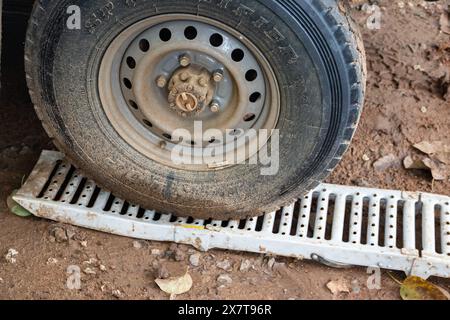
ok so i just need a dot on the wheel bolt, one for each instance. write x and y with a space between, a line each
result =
202 82
161 81
185 61
214 107
218 76
184 76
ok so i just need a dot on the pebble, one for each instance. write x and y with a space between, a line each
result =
137 245
194 260
179 255
91 261
246 265
279 267
11 256
60 235
224 265
156 252
271 263
84 244
385 163
224 279
163 272
102 268
361 183
117 293
89 271
1 280
365 158
52 261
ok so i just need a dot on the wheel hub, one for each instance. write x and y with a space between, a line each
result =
190 90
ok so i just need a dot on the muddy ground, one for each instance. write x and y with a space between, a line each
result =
408 74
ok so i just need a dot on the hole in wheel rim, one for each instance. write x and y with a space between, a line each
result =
165 35
144 45
216 40
190 33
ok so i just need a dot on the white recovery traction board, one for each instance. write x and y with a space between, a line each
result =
335 225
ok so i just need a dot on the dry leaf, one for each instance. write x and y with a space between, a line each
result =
438 161
338 286
438 149
416 288
438 170
175 286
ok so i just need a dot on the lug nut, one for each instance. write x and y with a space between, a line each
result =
214 107
184 76
161 81
185 61
218 76
202 82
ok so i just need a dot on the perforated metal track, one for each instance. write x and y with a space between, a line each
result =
332 224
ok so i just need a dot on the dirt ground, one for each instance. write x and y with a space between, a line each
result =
408 78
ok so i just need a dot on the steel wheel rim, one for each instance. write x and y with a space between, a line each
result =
248 95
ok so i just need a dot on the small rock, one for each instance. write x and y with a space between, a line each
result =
224 265
89 271
11 256
63 233
424 109
117 294
271 263
84 244
70 232
156 252
163 272
360 182
60 235
418 67
365 158
102 268
279 267
52 261
194 260
338 286
137 245
1 280
246 265
385 163
224 279
410 163
91 261
179 255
